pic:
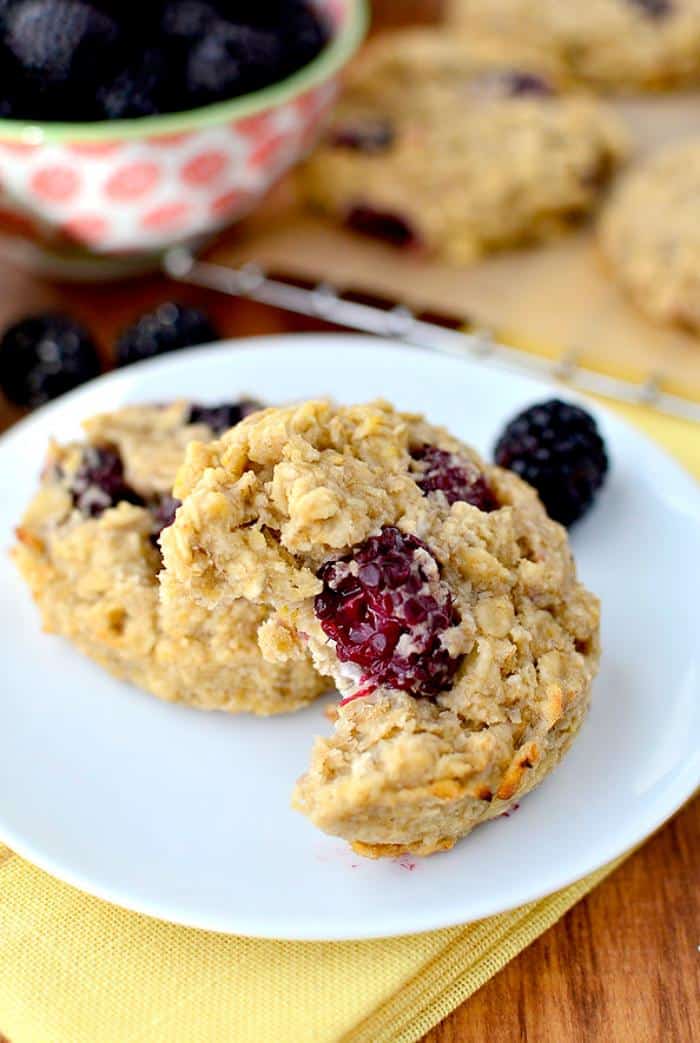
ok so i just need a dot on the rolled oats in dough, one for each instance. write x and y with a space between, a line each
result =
650 234
456 147
613 44
93 568
481 651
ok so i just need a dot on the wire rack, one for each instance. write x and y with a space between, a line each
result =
400 323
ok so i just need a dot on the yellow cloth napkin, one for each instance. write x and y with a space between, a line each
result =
74 969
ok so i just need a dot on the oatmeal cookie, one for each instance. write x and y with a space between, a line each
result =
432 587
88 547
650 233
458 147
612 44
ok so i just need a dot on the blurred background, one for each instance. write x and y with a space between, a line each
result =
88 207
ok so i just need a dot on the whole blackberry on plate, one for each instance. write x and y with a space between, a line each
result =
44 356
556 447
168 328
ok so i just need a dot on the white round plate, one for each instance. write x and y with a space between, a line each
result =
185 815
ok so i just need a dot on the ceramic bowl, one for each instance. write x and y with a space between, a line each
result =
102 199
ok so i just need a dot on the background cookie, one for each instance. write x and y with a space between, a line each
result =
458 147
650 233
607 43
432 587
88 547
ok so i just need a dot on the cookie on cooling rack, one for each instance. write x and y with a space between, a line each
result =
650 234
613 44
455 147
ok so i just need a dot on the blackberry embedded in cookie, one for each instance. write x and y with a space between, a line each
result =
556 447
163 510
221 417
455 477
512 83
386 608
653 8
458 146
363 134
88 546
459 637
613 44
98 483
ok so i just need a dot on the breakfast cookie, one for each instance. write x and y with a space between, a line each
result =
613 44
88 547
432 587
458 147
650 233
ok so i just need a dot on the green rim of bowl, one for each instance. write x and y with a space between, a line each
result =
324 67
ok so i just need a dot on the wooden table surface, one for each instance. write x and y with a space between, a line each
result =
624 964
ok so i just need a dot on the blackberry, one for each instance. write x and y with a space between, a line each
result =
99 482
386 225
303 33
183 24
510 83
369 136
168 328
520 83
138 89
222 417
185 21
653 8
163 511
9 107
386 608
230 60
95 59
556 447
43 356
62 49
454 476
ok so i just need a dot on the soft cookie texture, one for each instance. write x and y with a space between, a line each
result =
457 147
432 587
88 548
650 234
614 44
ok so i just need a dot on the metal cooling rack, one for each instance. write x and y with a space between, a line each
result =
400 323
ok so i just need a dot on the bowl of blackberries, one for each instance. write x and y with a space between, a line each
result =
128 128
